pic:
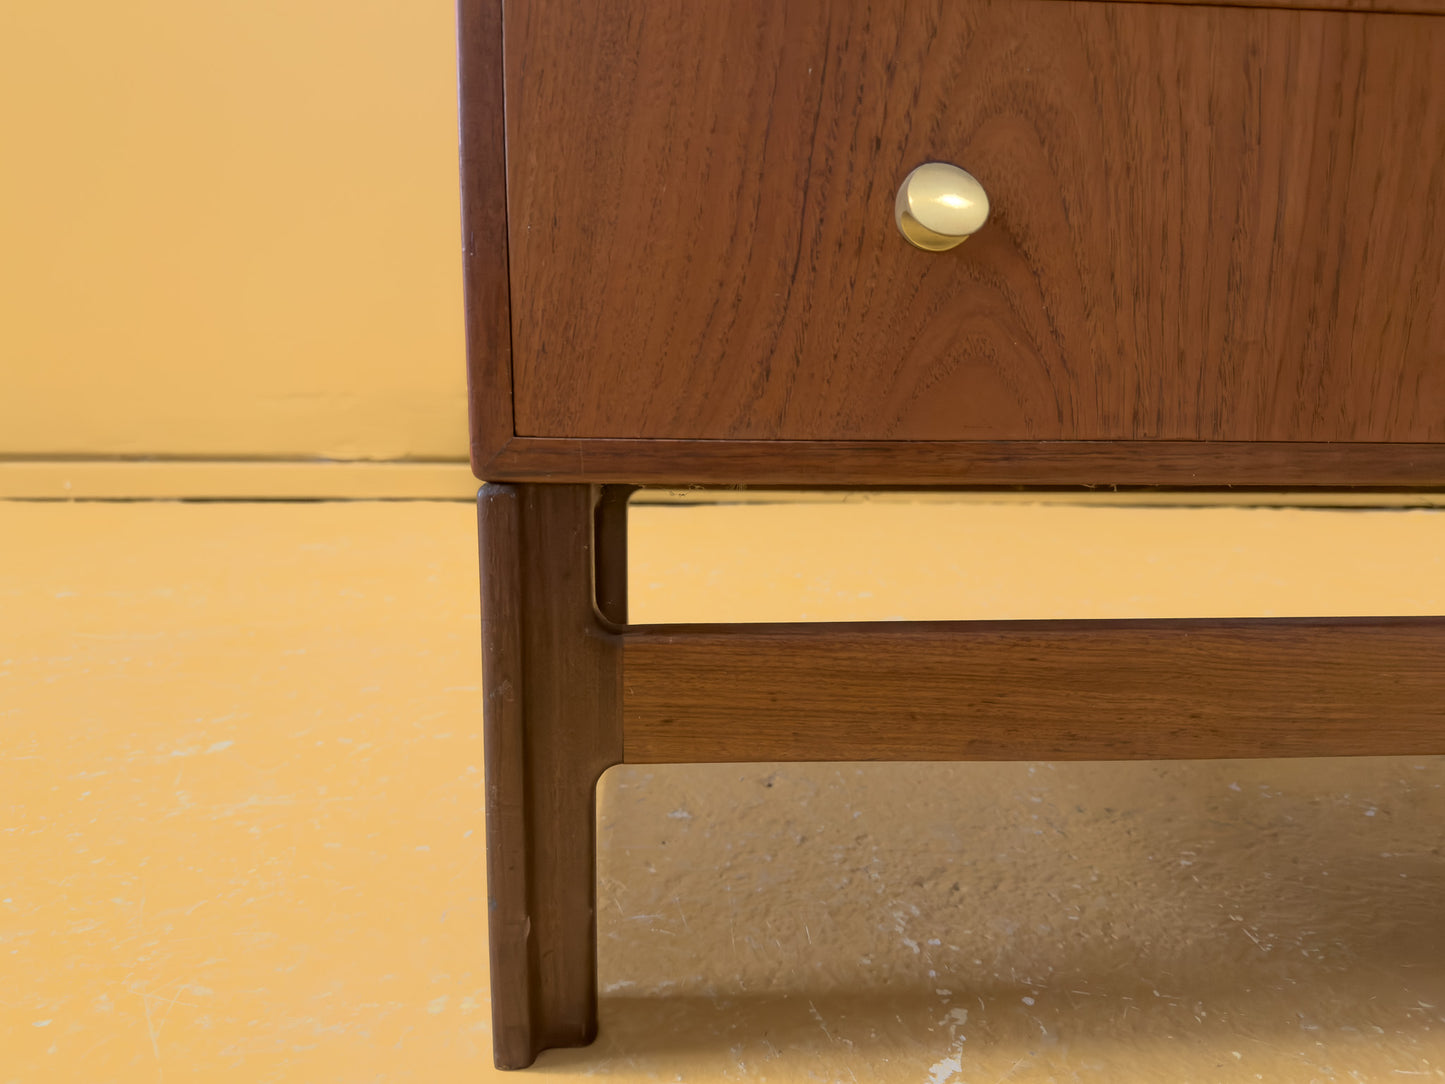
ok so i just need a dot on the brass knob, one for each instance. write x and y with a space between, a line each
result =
939 206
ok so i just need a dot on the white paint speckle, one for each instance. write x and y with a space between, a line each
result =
41 1024
1028 1001
221 746
437 1005
945 1068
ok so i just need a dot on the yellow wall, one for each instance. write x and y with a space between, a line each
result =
230 229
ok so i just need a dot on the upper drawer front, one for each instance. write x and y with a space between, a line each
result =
1207 223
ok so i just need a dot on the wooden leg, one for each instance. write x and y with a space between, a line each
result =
552 677
610 542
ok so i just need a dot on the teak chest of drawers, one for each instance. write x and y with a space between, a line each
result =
1211 253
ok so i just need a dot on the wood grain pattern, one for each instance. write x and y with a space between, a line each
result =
487 290
969 463
1419 7
1209 223
552 726
1100 690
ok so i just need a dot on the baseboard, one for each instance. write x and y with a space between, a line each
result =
202 479
289 479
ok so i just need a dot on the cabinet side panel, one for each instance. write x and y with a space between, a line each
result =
484 228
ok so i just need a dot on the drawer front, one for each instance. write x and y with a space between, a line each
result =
1219 224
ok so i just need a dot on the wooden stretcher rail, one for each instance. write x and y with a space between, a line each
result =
1051 690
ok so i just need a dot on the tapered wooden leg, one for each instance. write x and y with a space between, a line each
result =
552 676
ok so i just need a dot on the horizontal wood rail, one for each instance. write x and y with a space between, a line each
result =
1023 690
812 463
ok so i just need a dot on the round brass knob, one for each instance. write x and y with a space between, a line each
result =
939 206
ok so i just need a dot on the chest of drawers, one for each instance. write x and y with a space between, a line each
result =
1214 255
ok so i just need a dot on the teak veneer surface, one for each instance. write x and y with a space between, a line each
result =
1052 690
1209 223
486 294
968 463
1424 7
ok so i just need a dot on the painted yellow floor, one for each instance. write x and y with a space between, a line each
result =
241 801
